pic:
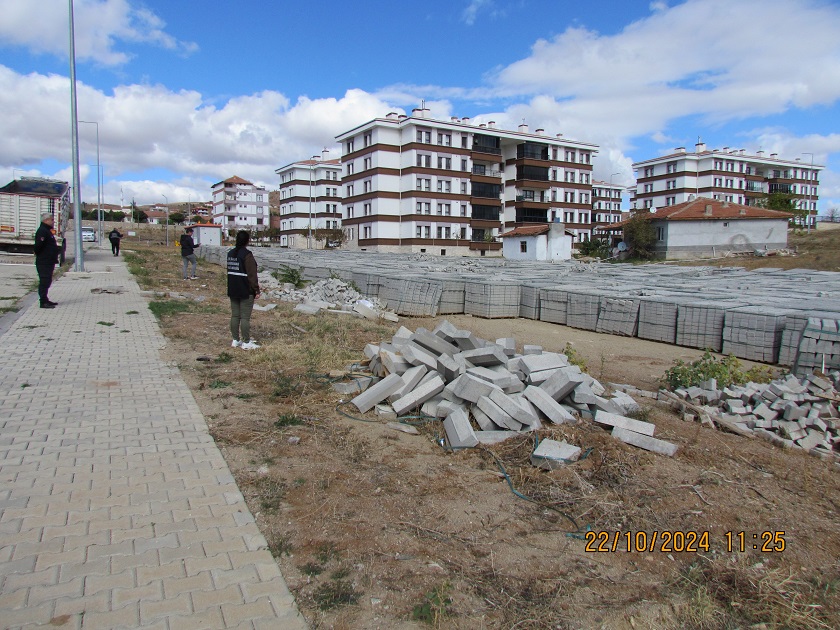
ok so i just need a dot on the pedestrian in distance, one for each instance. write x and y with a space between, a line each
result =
46 258
115 237
188 247
243 288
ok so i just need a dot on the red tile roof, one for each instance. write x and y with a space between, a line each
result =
527 230
233 180
706 209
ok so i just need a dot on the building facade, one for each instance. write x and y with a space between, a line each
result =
724 175
310 201
606 206
240 205
412 183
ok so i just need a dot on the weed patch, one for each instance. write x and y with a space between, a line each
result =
335 593
434 607
287 420
219 384
105 323
162 308
311 569
727 370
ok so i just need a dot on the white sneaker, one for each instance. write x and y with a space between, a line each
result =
235 343
250 345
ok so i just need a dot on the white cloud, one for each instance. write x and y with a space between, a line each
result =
473 8
148 127
98 26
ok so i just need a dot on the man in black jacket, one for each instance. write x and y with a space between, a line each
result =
188 253
46 258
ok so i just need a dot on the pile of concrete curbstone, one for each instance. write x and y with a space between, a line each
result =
798 413
486 392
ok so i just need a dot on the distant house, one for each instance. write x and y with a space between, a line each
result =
708 227
547 242
240 205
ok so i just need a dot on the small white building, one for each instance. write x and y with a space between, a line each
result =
207 234
708 228
240 205
546 242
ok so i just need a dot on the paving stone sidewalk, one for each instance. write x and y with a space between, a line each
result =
117 509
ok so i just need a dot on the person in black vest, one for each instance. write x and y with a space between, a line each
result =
243 288
188 253
46 258
115 237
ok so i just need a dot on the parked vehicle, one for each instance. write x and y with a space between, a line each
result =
88 235
22 202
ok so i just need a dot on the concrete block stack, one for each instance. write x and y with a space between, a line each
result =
452 294
554 305
700 324
618 316
791 412
754 332
658 318
411 296
819 346
491 298
582 308
486 392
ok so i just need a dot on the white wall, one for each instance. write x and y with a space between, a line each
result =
708 237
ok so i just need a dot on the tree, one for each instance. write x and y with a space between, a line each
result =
176 217
333 237
832 215
784 202
640 235
141 216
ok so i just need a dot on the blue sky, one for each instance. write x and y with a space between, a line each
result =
190 92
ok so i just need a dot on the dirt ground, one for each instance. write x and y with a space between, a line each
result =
377 528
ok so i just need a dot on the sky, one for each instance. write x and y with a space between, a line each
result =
187 93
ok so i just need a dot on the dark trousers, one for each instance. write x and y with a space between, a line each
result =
115 246
45 276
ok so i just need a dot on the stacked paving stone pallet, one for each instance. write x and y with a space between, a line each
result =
698 307
798 413
487 392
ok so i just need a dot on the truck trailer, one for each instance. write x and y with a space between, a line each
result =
22 202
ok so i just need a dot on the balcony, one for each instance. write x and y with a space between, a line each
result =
479 245
481 169
531 215
483 148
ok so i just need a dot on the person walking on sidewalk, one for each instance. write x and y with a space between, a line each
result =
188 253
243 288
115 237
46 258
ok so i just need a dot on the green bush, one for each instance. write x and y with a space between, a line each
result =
595 247
727 371
290 275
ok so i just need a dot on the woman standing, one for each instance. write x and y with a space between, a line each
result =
243 288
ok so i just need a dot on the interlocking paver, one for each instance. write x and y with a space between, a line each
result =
116 507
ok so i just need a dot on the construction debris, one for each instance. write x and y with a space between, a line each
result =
486 392
797 413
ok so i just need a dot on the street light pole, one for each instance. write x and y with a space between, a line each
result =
166 227
98 187
808 192
79 264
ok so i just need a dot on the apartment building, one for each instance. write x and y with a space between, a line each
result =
413 183
606 205
725 174
240 205
310 200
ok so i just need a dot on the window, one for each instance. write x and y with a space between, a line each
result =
671 167
424 183
349 168
648 188
671 184
569 176
463 188
463 210
440 231
730 166
424 160
368 163
523 247
444 209
444 186
584 178
730 183
568 217
418 232
718 181
349 212
726 224
424 136
427 231
464 142
660 234
445 139
368 140
368 185
444 163
463 233
464 166
569 197
570 156
584 158
366 231
349 190
554 153
349 147
648 203
649 171
670 201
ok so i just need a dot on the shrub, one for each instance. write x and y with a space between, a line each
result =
727 371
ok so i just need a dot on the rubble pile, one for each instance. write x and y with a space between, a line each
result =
486 392
797 413
329 294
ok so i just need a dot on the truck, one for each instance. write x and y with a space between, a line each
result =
22 202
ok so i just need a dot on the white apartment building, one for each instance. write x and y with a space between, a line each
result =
724 174
606 204
412 183
240 205
310 199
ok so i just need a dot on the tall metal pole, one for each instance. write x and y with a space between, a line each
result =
79 264
98 186
309 231
167 218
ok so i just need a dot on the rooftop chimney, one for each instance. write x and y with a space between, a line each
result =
540 131
391 115
453 119
700 147
680 149
523 128
491 124
725 149
417 112
482 125
466 120
774 155
760 153
708 210
559 135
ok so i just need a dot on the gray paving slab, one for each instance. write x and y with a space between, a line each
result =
117 509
